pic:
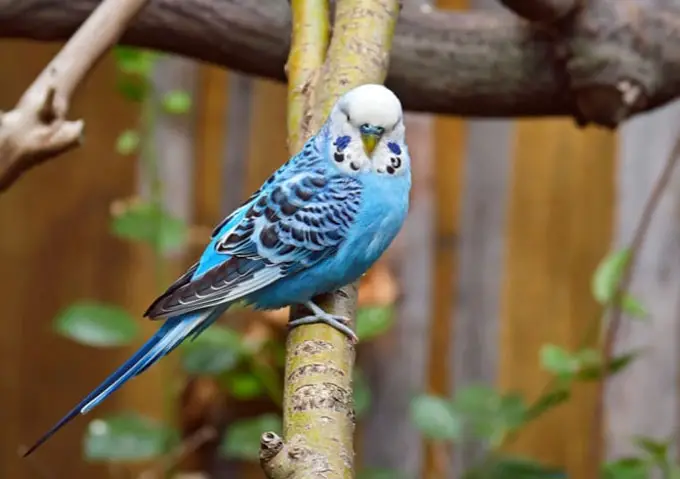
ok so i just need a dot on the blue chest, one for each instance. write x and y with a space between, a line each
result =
383 210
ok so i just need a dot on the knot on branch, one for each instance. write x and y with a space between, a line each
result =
294 460
608 69
33 132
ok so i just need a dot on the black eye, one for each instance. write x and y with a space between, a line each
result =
371 130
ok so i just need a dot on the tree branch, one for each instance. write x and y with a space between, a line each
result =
311 31
615 58
37 129
616 313
545 11
318 414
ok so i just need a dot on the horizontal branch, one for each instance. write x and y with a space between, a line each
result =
615 58
542 10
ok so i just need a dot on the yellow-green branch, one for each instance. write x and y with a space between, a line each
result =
359 51
311 31
318 410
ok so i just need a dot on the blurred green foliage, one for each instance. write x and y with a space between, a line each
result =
127 437
481 412
96 324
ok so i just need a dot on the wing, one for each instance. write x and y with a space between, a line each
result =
290 227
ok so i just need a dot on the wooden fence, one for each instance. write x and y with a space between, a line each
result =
508 221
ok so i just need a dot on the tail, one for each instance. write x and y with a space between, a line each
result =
168 337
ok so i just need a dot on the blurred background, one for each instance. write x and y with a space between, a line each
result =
477 327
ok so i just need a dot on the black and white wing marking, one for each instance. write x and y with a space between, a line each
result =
292 226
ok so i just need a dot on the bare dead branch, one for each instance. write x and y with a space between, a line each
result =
37 128
544 11
616 317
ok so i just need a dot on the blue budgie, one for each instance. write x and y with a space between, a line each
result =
318 223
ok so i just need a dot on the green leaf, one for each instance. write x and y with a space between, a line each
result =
513 411
557 360
548 401
594 369
362 393
96 324
177 102
585 364
626 468
135 89
244 385
608 275
657 450
127 142
606 280
217 350
133 61
126 437
435 418
373 321
500 467
242 439
149 223
476 399
633 307
379 474
490 414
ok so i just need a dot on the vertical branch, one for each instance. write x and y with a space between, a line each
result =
359 51
309 43
318 410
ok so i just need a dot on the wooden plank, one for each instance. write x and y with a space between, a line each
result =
212 145
60 250
267 140
237 151
645 144
396 363
449 144
174 140
474 359
174 145
559 227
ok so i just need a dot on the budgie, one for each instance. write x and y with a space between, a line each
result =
316 224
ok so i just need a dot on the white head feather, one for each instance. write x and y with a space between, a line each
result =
375 106
372 104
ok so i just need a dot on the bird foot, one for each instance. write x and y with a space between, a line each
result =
337 322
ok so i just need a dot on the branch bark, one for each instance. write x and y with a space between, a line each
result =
318 403
310 36
37 128
612 59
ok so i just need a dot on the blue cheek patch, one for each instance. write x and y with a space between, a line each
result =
342 142
394 148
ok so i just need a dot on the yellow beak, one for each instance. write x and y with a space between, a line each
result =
370 140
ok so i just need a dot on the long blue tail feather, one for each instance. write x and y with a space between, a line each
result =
170 335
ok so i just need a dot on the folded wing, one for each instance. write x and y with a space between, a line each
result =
289 227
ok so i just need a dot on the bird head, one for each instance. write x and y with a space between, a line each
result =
367 131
